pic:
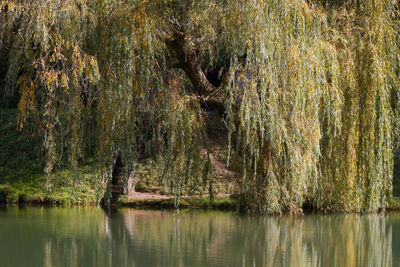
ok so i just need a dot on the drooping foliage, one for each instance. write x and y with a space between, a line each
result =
316 119
307 89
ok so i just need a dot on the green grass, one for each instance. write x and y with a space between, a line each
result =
219 203
22 178
21 171
394 204
62 193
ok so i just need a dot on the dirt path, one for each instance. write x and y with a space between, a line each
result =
146 196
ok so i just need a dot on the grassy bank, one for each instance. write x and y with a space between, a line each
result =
219 203
22 178
394 204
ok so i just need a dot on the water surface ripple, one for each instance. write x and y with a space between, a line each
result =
88 237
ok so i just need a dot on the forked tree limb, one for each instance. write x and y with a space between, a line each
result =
188 59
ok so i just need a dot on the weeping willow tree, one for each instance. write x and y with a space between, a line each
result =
307 90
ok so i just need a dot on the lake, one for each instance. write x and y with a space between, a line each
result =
84 236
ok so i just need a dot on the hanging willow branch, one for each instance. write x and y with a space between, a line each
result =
308 91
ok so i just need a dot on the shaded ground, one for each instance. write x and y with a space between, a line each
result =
21 170
143 196
22 179
148 200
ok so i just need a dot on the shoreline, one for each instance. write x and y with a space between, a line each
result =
225 203
220 203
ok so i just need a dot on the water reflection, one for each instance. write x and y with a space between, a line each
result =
92 237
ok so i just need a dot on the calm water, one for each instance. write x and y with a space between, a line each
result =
91 237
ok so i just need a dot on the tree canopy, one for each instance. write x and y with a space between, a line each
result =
307 90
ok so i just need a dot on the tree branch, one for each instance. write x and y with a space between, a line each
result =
189 61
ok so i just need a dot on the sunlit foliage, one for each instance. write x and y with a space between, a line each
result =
308 90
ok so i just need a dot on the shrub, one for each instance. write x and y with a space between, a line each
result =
6 193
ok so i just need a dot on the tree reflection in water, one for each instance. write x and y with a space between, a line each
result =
128 237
